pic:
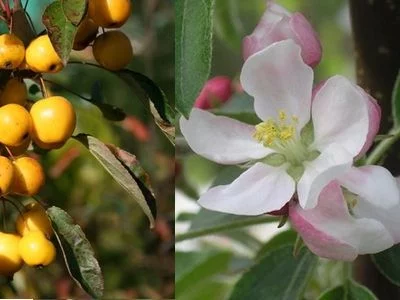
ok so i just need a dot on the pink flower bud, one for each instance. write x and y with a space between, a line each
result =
278 24
216 91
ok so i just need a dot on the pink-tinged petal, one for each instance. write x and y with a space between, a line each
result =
279 80
373 184
307 38
216 91
221 139
316 88
374 113
259 190
261 36
330 164
276 25
340 115
331 232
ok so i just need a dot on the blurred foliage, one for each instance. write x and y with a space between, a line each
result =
237 249
136 262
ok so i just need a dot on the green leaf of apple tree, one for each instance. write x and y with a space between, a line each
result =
154 99
122 174
193 48
351 290
278 275
388 263
74 10
61 31
78 253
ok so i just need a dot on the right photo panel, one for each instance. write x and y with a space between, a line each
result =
287 152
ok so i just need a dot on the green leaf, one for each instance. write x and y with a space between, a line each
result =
131 162
154 94
78 253
228 25
194 267
193 48
154 99
337 293
388 263
284 238
22 28
396 102
351 290
122 174
74 10
61 31
278 275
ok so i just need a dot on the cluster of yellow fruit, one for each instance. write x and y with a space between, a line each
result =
49 122
31 245
111 49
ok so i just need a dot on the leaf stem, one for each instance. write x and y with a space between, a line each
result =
381 149
225 227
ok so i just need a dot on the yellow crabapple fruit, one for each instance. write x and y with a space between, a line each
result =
53 122
41 57
14 92
12 51
36 250
28 176
110 13
113 50
15 125
10 258
34 219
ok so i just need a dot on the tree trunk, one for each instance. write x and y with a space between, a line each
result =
376 32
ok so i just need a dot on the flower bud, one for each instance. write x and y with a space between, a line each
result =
216 91
278 24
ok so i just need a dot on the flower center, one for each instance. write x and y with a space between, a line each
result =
351 200
274 134
281 136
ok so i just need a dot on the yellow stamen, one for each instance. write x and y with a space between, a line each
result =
282 115
270 131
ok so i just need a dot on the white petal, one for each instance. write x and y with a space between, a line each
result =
389 217
374 184
259 190
340 115
329 227
331 163
278 79
221 139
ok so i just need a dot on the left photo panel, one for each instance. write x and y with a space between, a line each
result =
87 149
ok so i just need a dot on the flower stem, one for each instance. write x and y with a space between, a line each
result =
381 149
347 270
225 227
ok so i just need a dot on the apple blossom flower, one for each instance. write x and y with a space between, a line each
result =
358 214
216 90
302 143
278 24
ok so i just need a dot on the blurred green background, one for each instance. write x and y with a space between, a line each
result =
137 262
207 268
